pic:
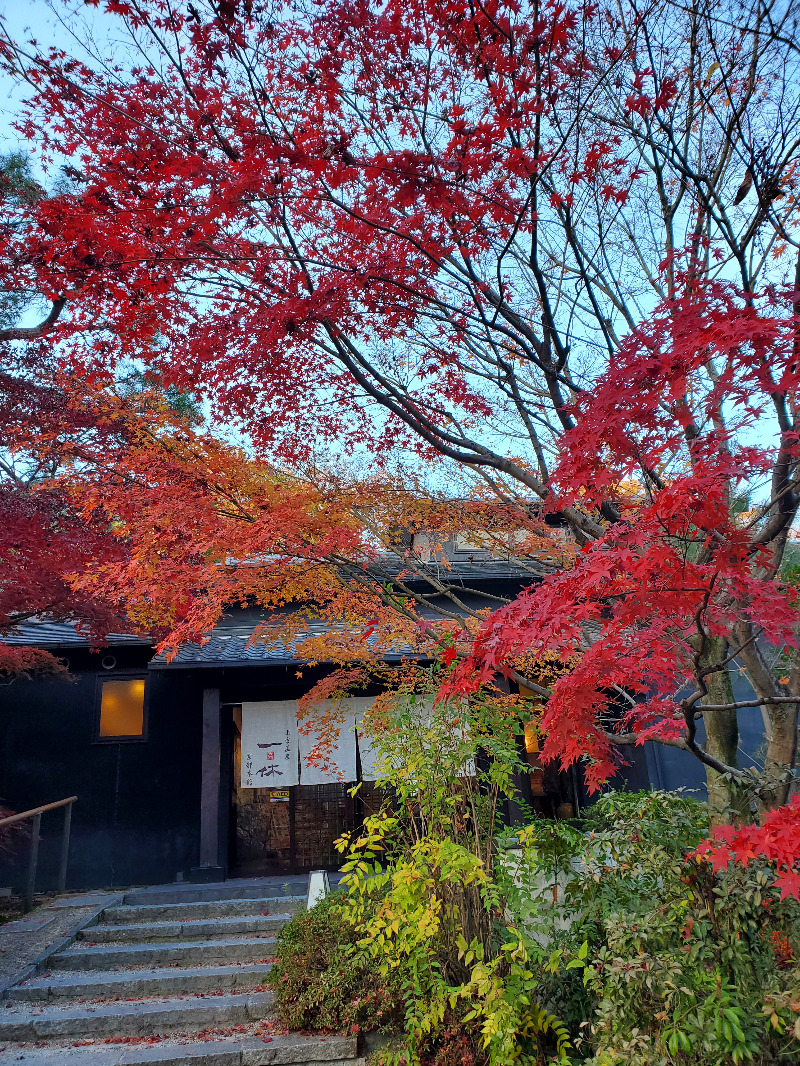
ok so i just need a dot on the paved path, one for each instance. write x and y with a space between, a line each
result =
24 942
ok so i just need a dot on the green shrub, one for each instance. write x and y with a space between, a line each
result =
323 982
424 890
683 967
419 945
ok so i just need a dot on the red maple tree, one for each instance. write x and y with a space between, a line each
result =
547 247
682 586
775 842
44 538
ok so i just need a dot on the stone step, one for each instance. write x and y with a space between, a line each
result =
191 930
192 911
145 1018
224 890
183 953
290 1050
164 981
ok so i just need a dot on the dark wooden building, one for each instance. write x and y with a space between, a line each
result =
153 750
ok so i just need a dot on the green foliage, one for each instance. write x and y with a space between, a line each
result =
602 945
321 983
137 386
680 965
18 191
424 889
17 183
790 563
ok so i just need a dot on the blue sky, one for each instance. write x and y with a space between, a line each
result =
22 19
49 24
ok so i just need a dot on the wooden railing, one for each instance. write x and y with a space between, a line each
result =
33 858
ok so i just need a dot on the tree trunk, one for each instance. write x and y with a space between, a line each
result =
780 719
781 754
728 804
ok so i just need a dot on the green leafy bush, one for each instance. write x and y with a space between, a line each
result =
323 982
424 890
682 966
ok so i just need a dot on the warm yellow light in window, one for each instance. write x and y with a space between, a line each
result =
531 738
122 709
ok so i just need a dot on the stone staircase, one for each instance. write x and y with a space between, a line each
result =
165 976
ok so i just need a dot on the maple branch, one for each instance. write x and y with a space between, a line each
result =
521 679
479 455
688 744
29 333
22 616
762 511
762 702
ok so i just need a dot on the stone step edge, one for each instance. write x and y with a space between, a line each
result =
125 903
212 893
167 954
116 909
145 1017
83 950
108 979
289 1050
162 927
138 1006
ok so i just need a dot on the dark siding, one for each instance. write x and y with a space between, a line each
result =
136 819
671 768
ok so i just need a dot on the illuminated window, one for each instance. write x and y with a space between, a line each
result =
531 737
122 708
532 750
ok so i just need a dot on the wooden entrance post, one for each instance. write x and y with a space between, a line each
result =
210 869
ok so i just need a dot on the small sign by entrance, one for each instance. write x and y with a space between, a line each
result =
279 795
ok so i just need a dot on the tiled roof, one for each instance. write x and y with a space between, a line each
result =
228 646
461 571
228 641
42 633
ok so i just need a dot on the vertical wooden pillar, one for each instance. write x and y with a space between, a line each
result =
62 866
30 881
212 866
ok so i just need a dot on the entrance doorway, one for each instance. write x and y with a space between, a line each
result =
290 830
262 821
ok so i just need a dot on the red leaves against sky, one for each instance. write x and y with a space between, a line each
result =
231 219
632 601
636 415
